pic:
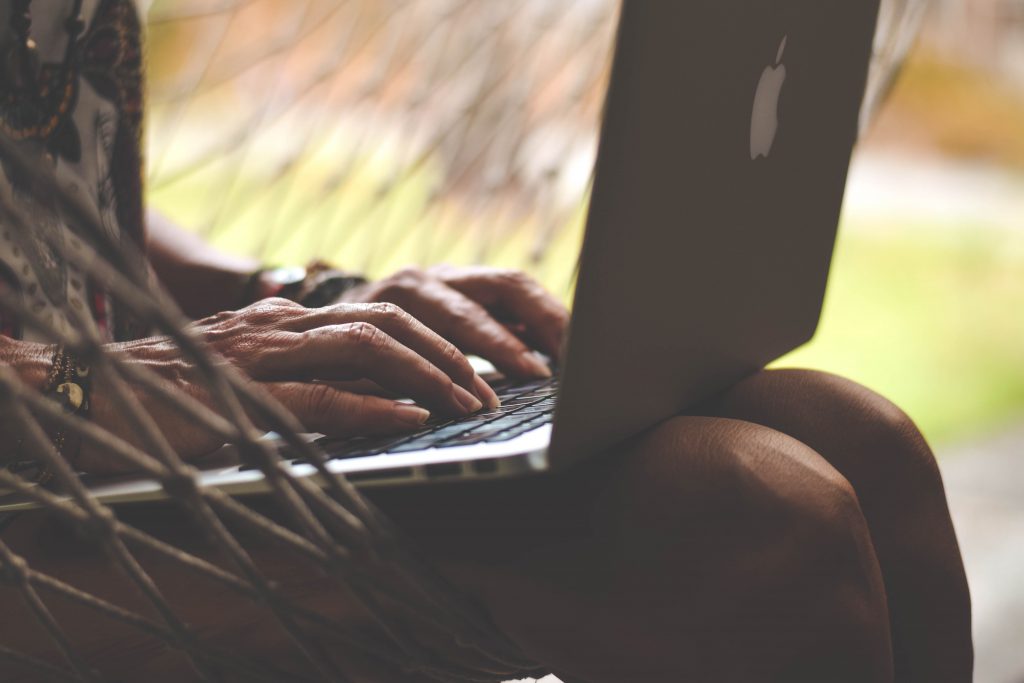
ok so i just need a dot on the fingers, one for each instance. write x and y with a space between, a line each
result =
362 351
411 333
275 337
468 325
328 410
545 318
519 297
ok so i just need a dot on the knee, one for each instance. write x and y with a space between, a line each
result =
749 497
870 419
733 469
867 436
736 528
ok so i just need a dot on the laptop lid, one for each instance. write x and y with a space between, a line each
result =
722 162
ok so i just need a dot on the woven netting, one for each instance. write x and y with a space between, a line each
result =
380 133
371 133
330 526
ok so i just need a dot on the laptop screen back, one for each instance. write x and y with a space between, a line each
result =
724 149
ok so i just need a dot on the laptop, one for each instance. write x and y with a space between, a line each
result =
724 148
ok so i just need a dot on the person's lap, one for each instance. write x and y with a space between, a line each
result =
711 547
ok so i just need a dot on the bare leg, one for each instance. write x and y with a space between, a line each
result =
708 549
883 455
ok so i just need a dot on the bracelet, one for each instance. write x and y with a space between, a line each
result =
314 286
68 383
327 290
270 282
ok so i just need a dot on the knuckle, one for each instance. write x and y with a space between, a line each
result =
319 401
515 278
434 376
396 289
260 352
279 306
216 319
268 311
366 336
406 280
454 357
348 410
389 312
559 312
462 311
409 273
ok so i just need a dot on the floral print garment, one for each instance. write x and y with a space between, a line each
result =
83 116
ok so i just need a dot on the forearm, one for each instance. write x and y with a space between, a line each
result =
201 279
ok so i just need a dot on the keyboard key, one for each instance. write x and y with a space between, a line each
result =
505 422
513 432
506 435
358 447
502 410
448 432
415 445
525 406
476 419
535 409
520 401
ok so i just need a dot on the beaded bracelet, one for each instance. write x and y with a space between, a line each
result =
313 286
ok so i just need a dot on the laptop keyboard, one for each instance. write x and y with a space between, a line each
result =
524 407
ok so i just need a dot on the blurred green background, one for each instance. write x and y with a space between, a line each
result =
376 134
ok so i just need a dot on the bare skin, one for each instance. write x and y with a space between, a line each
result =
793 529
711 548
880 451
308 358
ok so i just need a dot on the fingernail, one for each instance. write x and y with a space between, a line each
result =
468 401
411 415
534 364
485 393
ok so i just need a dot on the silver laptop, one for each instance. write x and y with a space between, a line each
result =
724 148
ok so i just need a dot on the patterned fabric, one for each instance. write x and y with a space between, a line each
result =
84 118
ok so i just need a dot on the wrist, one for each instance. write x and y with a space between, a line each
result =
268 282
56 375
314 286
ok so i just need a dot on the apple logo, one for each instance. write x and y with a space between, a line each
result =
764 121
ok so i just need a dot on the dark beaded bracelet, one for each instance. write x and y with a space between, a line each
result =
314 286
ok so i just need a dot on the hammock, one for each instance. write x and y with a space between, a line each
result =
373 134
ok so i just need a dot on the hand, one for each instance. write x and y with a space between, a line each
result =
494 313
298 355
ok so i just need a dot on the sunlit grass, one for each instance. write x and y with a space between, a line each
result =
931 320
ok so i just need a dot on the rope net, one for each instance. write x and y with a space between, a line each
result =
332 527
379 134
371 133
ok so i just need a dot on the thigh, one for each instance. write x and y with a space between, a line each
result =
707 548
